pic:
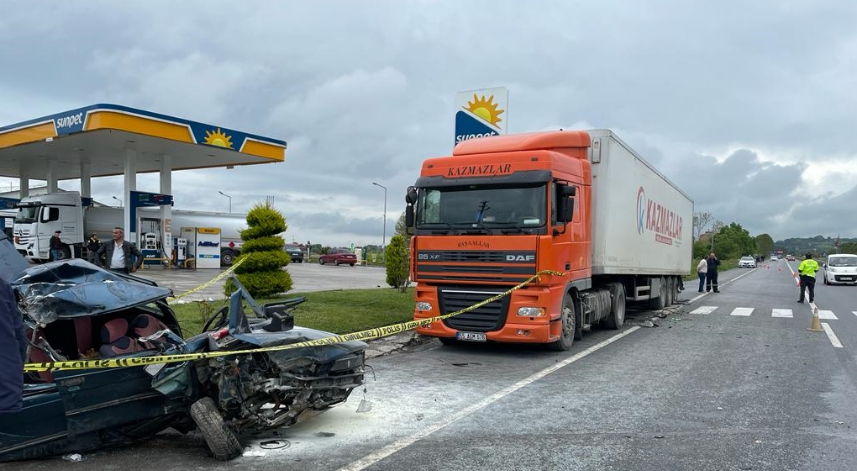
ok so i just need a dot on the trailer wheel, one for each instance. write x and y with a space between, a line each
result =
671 285
660 302
224 445
616 319
227 258
567 319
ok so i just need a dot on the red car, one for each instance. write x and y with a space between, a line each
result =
790 258
338 257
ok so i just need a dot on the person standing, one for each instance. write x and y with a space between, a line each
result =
701 270
56 246
711 274
92 246
13 349
806 270
118 255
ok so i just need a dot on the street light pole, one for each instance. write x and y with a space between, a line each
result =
120 201
230 200
384 240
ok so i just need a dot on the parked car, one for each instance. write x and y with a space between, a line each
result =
74 310
747 262
295 252
840 269
338 256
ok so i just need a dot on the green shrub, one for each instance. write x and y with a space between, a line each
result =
262 256
396 255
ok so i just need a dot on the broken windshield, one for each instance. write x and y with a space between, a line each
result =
482 207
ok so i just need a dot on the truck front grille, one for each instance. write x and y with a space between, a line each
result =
485 318
491 266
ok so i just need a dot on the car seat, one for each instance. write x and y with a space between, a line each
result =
115 340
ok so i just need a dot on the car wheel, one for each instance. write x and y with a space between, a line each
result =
321 261
616 319
224 445
826 281
336 263
568 326
351 264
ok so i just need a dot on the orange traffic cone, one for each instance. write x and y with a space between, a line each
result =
816 324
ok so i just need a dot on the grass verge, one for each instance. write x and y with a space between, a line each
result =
340 312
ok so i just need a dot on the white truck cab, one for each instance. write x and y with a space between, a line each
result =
40 216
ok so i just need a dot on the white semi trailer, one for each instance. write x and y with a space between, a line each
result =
38 217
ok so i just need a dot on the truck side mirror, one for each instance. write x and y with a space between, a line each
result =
411 196
565 203
409 216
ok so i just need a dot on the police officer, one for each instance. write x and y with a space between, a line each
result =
807 269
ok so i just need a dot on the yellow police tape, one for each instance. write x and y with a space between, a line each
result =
370 334
208 283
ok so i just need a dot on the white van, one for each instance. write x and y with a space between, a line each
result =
840 269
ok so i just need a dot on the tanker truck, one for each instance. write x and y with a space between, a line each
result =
38 217
609 226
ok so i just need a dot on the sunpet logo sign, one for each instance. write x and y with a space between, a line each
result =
69 123
480 113
655 217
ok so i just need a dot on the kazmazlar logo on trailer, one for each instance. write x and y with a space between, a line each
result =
655 217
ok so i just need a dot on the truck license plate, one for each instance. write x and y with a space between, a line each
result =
470 336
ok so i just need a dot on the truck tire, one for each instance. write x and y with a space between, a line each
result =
616 319
65 252
224 445
670 291
227 258
656 304
568 326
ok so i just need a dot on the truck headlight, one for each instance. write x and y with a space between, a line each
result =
423 306
530 312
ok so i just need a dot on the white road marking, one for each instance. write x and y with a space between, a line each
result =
827 315
388 450
854 312
781 313
692 300
704 310
833 339
742 311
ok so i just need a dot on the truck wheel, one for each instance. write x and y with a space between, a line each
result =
227 258
660 302
670 291
616 319
221 441
568 326
65 252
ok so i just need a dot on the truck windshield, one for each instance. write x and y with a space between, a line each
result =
27 215
482 207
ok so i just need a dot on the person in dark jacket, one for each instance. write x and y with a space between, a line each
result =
13 349
118 254
711 274
56 246
92 245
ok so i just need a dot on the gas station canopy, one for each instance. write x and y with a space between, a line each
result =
99 135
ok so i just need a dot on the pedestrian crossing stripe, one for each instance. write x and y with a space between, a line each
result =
704 310
747 311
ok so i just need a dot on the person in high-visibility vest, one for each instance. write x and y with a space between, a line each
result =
806 270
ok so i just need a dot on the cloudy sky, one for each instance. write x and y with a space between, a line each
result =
750 107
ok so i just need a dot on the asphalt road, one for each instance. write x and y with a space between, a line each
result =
733 389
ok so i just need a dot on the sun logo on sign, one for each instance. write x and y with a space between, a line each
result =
218 138
485 109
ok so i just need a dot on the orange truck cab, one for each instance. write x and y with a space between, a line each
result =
501 209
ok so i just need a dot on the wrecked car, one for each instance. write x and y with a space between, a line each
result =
74 310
